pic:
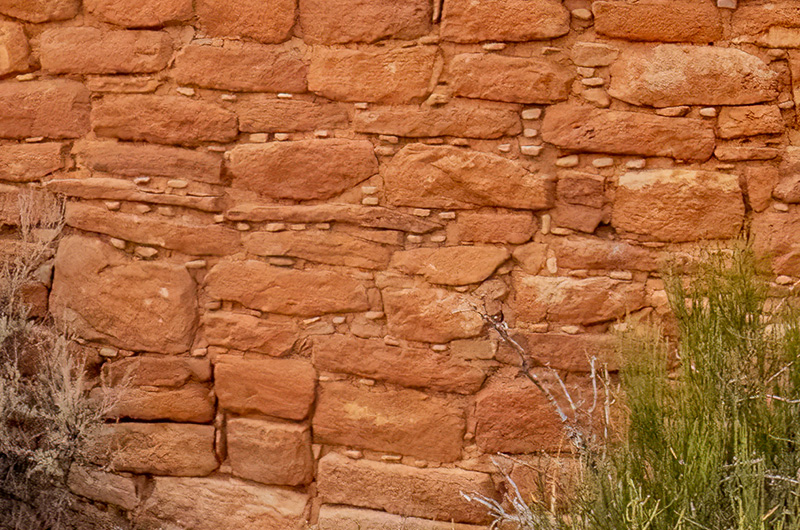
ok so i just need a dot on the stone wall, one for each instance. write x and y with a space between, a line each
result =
280 214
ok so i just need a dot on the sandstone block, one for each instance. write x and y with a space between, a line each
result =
584 189
403 490
788 189
146 13
157 371
572 353
627 133
29 162
593 54
430 176
590 253
512 79
333 517
264 113
531 257
327 22
85 50
459 117
40 10
140 306
759 182
679 205
671 75
775 236
578 218
378 75
756 19
428 314
575 301
14 48
53 109
736 122
504 20
659 20
247 18
283 388
248 67
270 452
274 335
737 153
98 485
302 170
407 365
451 265
162 119
484 226
191 403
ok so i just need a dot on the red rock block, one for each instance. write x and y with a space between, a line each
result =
379 75
459 117
576 252
736 122
339 22
270 452
162 119
433 176
29 162
492 227
283 388
145 14
274 335
512 79
53 109
575 301
775 236
627 133
699 75
191 403
302 170
407 365
560 351
504 20
429 314
143 160
98 485
756 19
578 218
102 295
759 181
40 10
659 21
333 517
679 205
251 19
403 490
219 502
248 67
593 54
85 50
14 50
583 189
531 257
265 113
787 188
156 370
736 153
177 449
451 265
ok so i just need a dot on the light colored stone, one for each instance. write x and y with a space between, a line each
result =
593 54
503 20
736 122
270 452
102 486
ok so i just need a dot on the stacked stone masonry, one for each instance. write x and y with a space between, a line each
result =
283 217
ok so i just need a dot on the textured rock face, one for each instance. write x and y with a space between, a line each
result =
53 109
325 22
14 50
40 10
504 20
251 19
147 14
659 20
430 315
269 452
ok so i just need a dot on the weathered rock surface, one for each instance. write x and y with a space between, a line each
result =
591 253
332 517
561 351
157 370
363 21
263 113
485 226
584 189
451 265
736 122
759 181
274 335
430 315
25 163
190 403
102 486
148 13
775 235
40 10
503 20
53 109
270 452
247 18
659 20
14 49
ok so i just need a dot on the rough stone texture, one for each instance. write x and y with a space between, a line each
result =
301 170
757 19
627 133
333 517
679 205
403 490
560 351
246 67
162 119
492 227
736 122
270 452
84 50
283 388
672 75
14 48
430 315
53 109
459 117
512 79
380 75
218 502
26 163
406 364
98 485
775 235
578 218
451 265
191 403
759 182
251 19
659 20
330 22
503 20
40 10
264 113
139 306
430 176
593 54
274 335
581 188
146 13
588 253
157 371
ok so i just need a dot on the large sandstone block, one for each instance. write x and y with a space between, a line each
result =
283 388
627 133
40 10
451 265
265 113
492 227
53 109
248 67
257 285
432 176
339 22
757 19
428 314
191 403
406 364
403 490
302 170
503 20
157 370
759 181
254 19
332 517
162 119
671 75
270 452
85 50
751 120
145 13
775 236
219 502
512 79
679 205
379 75
583 189
102 295
14 50
593 253
659 20
274 335
29 162
98 485
572 353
